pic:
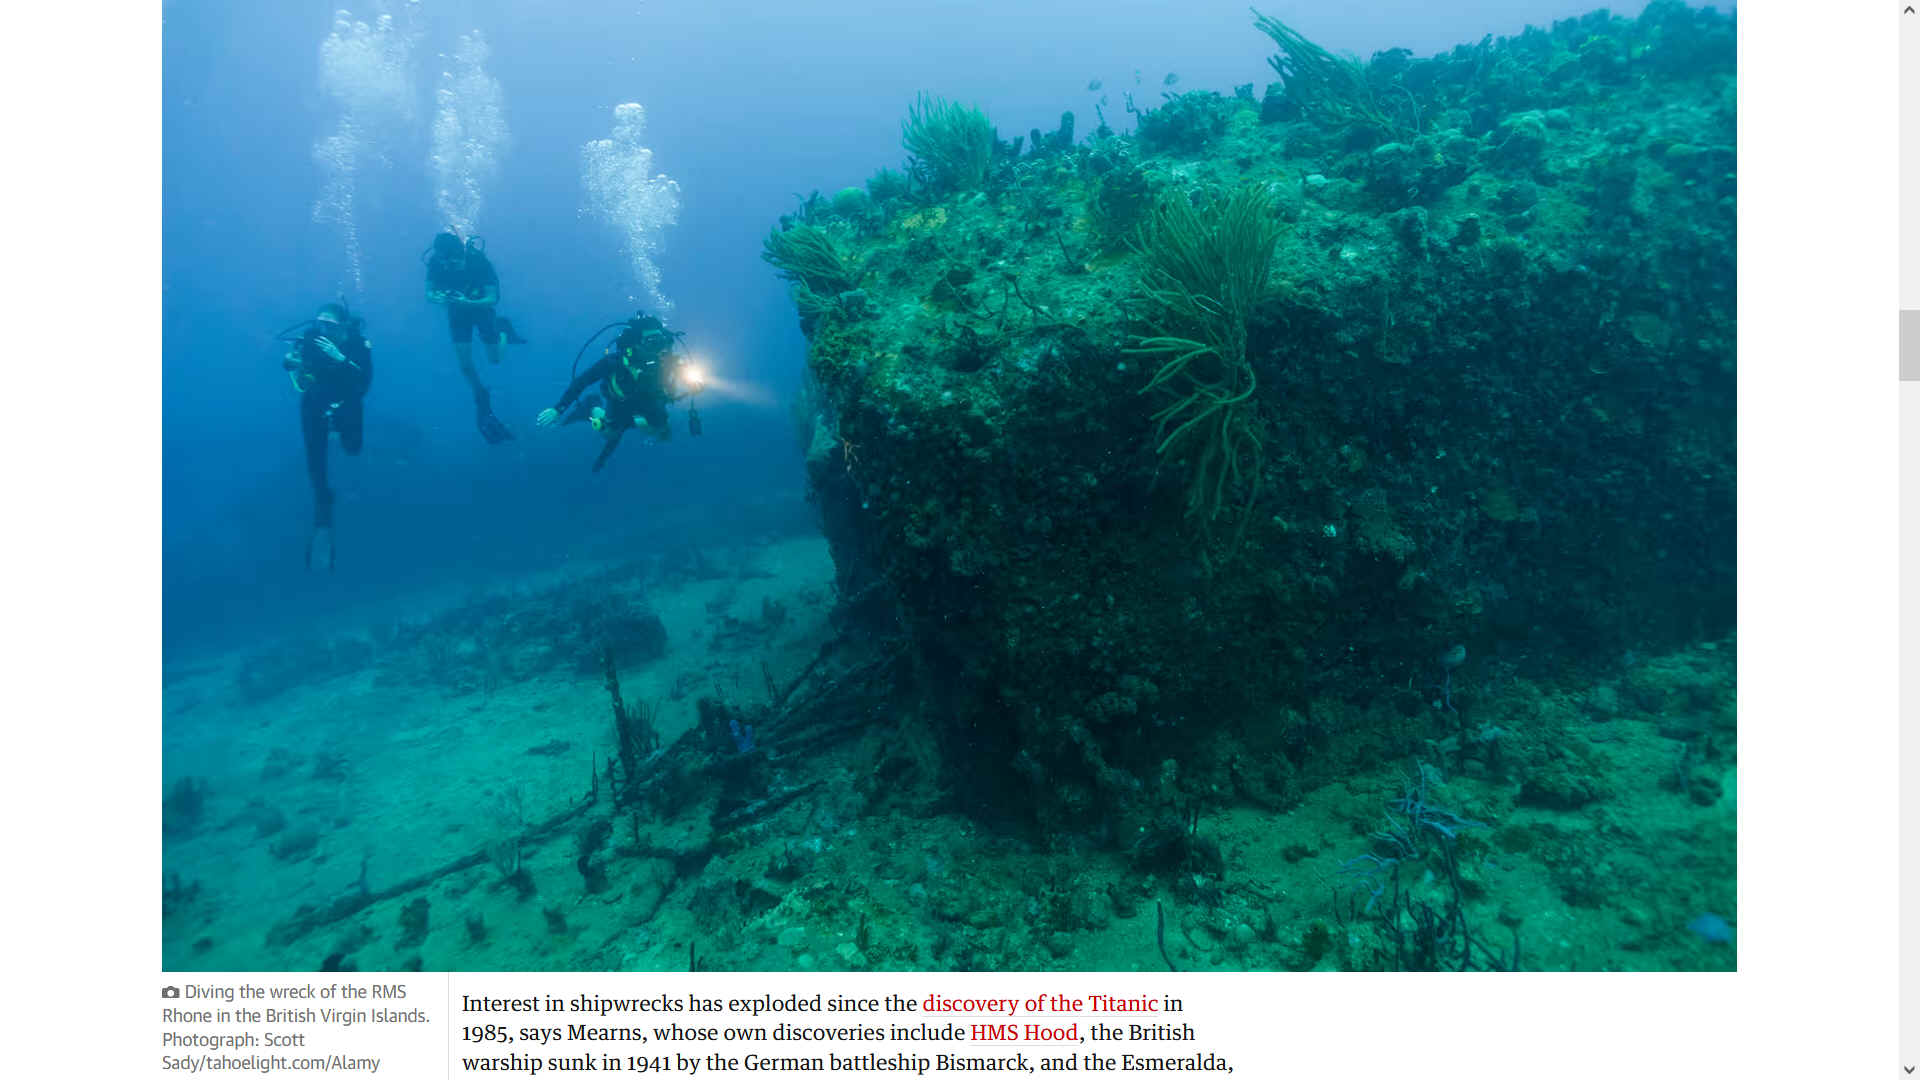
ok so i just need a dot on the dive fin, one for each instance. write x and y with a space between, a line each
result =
491 429
508 335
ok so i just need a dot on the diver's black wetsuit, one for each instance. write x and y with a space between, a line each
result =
332 392
641 390
466 279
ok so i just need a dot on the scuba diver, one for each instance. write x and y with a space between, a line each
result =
639 374
461 276
330 363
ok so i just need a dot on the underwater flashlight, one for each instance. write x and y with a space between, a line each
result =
693 376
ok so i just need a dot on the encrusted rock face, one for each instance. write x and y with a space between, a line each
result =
1493 402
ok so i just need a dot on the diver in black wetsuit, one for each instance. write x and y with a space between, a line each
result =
331 364
461 276
639 374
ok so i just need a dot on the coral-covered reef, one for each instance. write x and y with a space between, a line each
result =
1183 457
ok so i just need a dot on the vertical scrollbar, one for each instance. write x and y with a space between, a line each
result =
1909 1007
